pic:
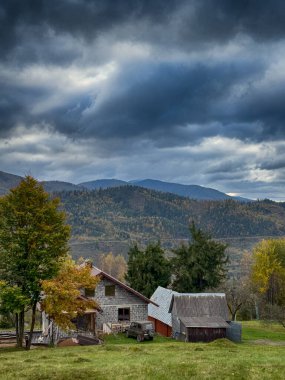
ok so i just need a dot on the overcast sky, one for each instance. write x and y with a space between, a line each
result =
183 91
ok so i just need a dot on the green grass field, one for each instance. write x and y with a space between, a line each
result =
122 358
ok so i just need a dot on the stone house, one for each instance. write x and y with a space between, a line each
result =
118 302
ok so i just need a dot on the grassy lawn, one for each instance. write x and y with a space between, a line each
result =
255 330
122 358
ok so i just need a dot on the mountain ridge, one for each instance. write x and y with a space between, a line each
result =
198 192
190 191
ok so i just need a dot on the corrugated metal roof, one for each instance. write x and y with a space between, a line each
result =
162 297
200 305
208 322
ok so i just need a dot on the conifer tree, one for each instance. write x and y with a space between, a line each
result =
148 269
200 264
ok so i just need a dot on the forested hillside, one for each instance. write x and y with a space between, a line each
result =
111 219
131 212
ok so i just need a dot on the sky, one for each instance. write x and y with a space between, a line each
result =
183 91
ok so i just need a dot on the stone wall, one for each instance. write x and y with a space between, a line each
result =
121 299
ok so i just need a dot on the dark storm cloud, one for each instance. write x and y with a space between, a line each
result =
225 167
166 96
179 22
164 80
221 20
273 164
266 106
148 98
80 18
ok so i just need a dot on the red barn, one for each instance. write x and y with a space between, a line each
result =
160 315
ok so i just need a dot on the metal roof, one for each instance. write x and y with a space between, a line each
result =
162 297
208 322
200 305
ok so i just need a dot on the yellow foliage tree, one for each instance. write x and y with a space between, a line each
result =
116 266
268 270
62 299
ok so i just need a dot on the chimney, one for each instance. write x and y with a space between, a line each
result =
89 263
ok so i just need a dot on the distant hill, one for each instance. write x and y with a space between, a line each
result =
132 212
103 184
52 186
190 191
7 181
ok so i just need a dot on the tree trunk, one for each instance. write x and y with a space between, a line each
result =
17 329
34 308
256 310
20 325
52 334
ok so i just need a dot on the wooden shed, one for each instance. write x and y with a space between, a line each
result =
199 317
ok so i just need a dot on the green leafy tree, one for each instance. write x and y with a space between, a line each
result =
33 242
200 264
147 269
12 301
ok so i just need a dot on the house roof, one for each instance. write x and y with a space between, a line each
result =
162 297
200 305
209 322
101 273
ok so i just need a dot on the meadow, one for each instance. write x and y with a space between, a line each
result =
261 355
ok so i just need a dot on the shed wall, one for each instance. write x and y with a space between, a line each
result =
202 334
175 322
160 327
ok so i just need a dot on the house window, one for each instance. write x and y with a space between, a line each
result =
89 292
109 290
124 314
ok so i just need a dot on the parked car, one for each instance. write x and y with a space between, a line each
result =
141 330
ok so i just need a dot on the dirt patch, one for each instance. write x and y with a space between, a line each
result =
6 345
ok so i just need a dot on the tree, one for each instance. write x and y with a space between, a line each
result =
148 269
200 264
268 270
33 242
268 278
62 300
237 295
116 266
12 301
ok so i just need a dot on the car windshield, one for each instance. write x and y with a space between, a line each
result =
148 326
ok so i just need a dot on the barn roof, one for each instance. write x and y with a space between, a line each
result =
101 273
209 322
200 305
162 297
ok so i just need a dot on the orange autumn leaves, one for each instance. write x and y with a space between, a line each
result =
63 299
